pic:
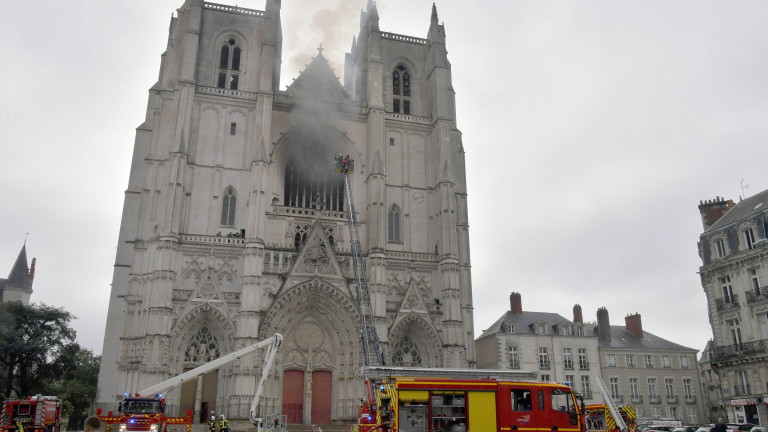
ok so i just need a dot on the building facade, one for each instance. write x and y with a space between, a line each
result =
18 285
234 229
544 342
734 254
658 377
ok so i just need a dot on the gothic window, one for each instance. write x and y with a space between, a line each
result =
401 90
228 204
202 348
300 237
228 73
393 224
310 183
406 353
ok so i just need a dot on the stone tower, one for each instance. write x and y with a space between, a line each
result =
233 226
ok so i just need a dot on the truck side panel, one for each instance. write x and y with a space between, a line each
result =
482 410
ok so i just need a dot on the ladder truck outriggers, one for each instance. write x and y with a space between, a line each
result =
145 411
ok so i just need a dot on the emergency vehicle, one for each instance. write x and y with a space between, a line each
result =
145 411
458 400
33 414
600 419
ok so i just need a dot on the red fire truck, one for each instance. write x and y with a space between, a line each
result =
34 414
144 412
139 413
458 400
600 419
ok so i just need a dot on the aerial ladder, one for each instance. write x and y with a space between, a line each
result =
371 347
144 411
611 405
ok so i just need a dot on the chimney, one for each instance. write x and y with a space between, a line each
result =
577 317
634 325
515 303
603 325
712 210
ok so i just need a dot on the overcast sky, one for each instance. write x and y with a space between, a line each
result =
592 129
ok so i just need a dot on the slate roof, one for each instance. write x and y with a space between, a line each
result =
622 338
19 276
744 209
523 322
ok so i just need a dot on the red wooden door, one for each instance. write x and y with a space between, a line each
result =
293 396
321 397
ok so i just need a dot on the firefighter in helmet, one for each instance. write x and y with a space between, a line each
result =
212 424
223 424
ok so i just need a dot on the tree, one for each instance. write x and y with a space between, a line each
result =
76 381
31 340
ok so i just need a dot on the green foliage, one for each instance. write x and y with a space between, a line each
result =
76 383
38 355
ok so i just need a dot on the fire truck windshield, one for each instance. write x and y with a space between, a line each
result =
140 407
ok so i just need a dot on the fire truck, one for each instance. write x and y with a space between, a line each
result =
145 411
600 419
34 414
458 400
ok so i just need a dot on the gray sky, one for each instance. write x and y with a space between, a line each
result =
592 129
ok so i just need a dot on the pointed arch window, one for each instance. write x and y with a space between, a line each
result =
228 206
202 348
406 353
228 73
393 224
401 90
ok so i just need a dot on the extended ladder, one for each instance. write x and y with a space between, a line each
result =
611 405
371 348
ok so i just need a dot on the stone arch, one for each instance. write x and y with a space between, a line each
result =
204 315
423 336
315 303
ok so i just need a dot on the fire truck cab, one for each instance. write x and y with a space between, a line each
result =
421 400
34 414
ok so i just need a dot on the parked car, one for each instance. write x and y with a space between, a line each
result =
661 429
759 428
685 429
709 428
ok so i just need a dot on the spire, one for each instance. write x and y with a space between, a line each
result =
19 276
434 14
354 45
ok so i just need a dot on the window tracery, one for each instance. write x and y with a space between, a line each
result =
228 206
309 184
401 90
393 223
202 348
228 74
406 353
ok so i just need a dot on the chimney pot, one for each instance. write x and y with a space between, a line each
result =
577 316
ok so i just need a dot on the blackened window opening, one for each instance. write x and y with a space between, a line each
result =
310 188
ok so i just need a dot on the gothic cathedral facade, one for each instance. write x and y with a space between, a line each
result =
233 227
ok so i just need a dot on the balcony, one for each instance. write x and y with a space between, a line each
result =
584 365
726 303
638 399
654 399
757 295
741 390
728 352
690 400
672 400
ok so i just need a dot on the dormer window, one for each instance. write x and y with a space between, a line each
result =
229 65
749 239
720 248
401 90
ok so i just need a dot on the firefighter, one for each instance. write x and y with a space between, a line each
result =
212 424
223 424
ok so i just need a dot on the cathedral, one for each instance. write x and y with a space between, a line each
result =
233 226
